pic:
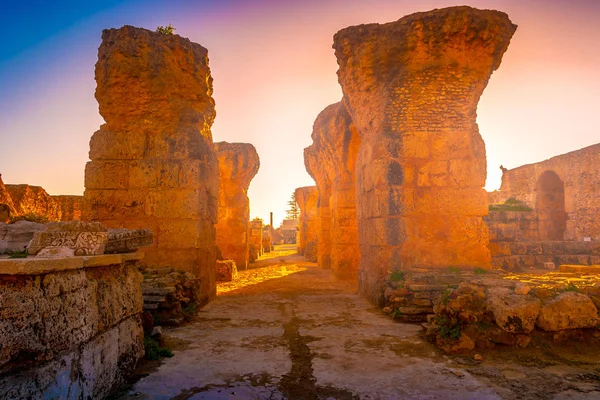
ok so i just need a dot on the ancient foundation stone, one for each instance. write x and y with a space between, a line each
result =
335 148
307 199
238 164
70 328
153 164
412 88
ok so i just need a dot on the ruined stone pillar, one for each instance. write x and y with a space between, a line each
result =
316 166
238 164
412 88
335 144
307 198
153 164
255 239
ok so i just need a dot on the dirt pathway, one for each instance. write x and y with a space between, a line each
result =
297 333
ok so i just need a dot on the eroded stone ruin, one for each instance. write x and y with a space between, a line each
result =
307 199
335 145
238 164
412 88
153 164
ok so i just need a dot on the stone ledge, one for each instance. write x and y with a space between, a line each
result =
40 266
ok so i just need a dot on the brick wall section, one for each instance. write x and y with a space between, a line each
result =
412 88
238 164
580 174
153 163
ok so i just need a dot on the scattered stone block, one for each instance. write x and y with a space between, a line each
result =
85 238
513 312
568 310
127 240
15 237
226 271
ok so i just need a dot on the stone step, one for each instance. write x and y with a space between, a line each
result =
150 306
154 299
150 291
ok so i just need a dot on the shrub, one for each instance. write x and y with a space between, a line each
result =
397 276
571 287
154 351
32 217
480 271
166 30
19 254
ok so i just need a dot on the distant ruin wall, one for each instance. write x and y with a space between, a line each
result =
335 148
153 164
412 89
71 207
307 199
238 164
579 174
29 199
70 327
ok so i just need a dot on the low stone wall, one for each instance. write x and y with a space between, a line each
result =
69 327
521 255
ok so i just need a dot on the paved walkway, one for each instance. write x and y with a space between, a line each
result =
305 335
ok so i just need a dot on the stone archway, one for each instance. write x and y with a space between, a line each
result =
550 206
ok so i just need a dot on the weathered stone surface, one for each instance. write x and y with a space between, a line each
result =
5 200
85 238
563 192
127 241
412 88
56 252
331 160
255 239
226 270
153 164
569 310
29 199
70 207
238 164
307 199
15 237
513 312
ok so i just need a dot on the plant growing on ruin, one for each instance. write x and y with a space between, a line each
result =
445 299
165 30
571 287
397 276
479 271
396 314
511 204
154 350
190 310
19 254
449 325
453 270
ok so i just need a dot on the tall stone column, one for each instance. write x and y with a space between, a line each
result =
412 88
335 144
307 198
316 166
238 164
152 163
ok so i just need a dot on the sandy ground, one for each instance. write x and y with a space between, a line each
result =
289 330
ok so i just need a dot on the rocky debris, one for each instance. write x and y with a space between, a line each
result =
127 240
255 239
412 88
331 160
307 199
85 238
153 164
513 312
15 237
238 164
170 296
226 270
35 200
569 310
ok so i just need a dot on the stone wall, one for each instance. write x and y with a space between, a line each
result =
70 207
70 327
255 239
307 199
335 145
238 164
153 164
412 89
563 190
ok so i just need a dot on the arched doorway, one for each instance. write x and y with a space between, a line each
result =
550 206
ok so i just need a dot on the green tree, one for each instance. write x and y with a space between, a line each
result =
293 211
166 30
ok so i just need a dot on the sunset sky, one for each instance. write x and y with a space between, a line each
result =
274 71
